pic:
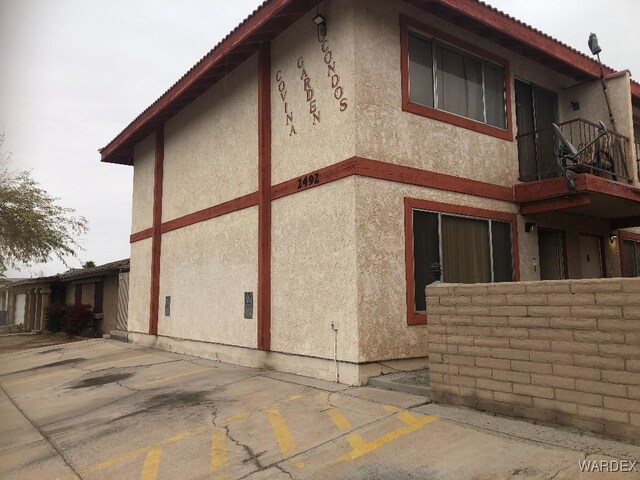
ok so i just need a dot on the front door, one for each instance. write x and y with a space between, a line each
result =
591 256
552 254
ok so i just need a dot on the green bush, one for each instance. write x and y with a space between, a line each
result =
55 317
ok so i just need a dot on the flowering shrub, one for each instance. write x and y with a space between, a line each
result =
55 317
78 319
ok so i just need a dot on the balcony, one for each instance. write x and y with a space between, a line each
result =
598 182
606 158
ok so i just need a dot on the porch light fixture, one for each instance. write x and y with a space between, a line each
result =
529 227
613 237
321 22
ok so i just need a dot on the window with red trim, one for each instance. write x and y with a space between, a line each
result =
471 246
446 79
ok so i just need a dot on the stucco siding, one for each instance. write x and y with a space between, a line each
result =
144 156
206 269
382 306
386 132
314 272
211 147
139 286
330 136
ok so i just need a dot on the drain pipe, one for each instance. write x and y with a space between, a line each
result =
334 327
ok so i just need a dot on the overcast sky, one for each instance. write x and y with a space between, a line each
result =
76 72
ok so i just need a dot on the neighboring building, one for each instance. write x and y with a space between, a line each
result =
292 190
97 286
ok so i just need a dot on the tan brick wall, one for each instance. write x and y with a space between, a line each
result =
564 352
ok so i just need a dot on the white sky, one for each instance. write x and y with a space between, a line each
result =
76 72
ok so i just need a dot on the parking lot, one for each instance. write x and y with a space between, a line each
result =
102 409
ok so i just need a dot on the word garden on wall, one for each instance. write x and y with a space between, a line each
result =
309 92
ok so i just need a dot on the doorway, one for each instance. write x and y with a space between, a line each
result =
552 250
591 261
536 110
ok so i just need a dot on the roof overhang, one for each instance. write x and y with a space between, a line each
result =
593 197
275 16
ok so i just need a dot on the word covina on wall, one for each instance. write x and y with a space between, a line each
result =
282 88
338 89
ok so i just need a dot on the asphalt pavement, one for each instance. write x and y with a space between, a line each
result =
100 409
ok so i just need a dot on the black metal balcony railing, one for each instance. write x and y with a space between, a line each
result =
607 157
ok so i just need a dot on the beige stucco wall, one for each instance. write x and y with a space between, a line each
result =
144 158
332 138
139 286
211 147
205 269
382 306
109 303
385 132
593 107
313 276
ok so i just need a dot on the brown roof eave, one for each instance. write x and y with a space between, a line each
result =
239 45
274 16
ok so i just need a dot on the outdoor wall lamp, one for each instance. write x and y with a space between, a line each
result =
321 22
529 227
613 237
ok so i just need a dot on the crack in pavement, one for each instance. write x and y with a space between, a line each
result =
253 457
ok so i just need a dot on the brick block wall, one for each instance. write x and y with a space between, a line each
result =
564 352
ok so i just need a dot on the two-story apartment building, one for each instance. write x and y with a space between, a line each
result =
293 189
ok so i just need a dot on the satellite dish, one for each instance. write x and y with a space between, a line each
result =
566 144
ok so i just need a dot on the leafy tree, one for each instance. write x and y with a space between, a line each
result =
89 264
33 227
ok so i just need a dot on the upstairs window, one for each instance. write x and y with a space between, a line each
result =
455 83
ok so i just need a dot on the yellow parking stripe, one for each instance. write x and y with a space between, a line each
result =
339 419
141 451
151 464
103 364
219 457
36 378
283 437
360 447
179 375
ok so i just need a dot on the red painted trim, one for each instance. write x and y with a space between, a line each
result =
353 166
328 174
417 318
610 187
629 235
413 317
441 115
219 210
156 239
264 197
525 34
579 200
426 178
141 235
547 189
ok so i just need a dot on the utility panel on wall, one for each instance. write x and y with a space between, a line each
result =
248 305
